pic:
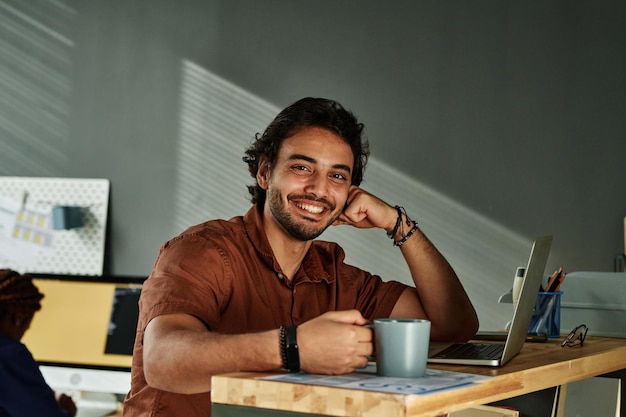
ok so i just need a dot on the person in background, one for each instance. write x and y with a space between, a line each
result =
258 292
23 390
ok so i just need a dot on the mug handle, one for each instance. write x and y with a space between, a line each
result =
372 357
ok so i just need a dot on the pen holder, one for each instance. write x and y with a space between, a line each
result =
547 314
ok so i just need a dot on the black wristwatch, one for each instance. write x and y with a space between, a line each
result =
289 348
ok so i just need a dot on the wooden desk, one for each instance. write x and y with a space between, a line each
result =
538 366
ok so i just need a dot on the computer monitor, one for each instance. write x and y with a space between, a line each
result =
83 335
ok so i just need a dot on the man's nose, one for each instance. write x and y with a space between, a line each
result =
317 185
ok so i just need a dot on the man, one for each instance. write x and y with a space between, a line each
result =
235 295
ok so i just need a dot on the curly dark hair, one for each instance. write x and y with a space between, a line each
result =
307 112
18 294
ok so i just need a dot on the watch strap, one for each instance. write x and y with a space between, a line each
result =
289 348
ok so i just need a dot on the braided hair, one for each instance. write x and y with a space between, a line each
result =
18 294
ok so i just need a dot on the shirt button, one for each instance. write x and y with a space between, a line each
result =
280 275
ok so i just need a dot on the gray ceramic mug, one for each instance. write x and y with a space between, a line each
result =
401 347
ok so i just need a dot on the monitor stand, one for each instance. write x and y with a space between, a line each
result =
96 404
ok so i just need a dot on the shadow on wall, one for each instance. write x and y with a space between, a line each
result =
35 67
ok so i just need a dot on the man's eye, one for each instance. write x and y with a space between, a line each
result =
339 177
299 168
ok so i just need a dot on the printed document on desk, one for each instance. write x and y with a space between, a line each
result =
434 381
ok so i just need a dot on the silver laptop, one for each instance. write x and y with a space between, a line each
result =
494 353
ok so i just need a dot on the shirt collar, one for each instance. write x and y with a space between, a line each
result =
312 268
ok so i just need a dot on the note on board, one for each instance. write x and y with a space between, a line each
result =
28 242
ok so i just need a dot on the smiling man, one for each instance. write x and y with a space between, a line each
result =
258 292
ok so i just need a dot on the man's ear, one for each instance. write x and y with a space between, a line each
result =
263 174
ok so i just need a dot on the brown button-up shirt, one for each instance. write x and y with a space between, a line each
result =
225 274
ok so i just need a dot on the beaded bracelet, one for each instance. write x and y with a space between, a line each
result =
289 348
281 341
405 237
400 211
398 243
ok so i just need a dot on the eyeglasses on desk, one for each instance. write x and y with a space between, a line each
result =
576 337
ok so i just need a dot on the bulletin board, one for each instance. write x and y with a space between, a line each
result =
29 243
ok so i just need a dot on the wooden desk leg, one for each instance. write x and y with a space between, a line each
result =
559 401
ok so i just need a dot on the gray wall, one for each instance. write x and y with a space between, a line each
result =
491 121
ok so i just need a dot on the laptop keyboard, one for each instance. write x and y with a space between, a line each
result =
472 351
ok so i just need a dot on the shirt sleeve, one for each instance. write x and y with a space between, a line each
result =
190 276
377 297
23 390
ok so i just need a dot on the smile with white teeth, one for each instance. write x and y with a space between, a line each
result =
310 208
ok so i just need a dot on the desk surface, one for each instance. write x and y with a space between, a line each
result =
538 366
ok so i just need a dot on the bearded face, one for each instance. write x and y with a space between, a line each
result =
305 225
308 185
